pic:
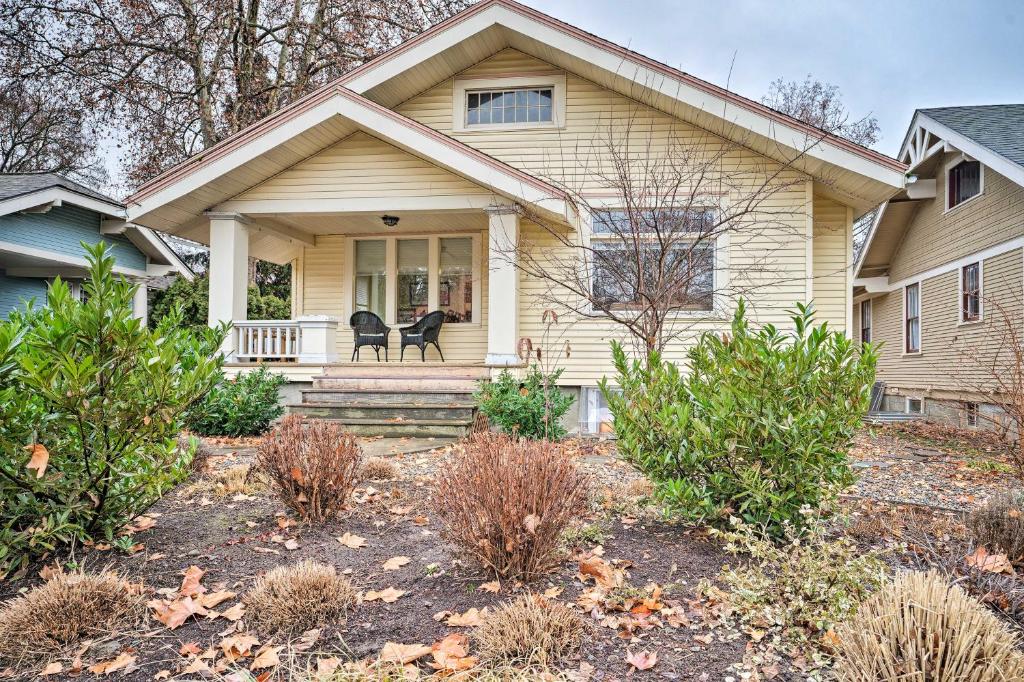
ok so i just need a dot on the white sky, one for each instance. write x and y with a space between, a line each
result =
887 57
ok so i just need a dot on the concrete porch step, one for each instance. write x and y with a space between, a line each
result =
396 384
346 397
408 428
386 412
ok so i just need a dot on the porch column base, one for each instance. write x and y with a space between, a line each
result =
319 334
501 360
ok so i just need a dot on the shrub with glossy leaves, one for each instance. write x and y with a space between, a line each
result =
530 407
243 406
758 427
92 403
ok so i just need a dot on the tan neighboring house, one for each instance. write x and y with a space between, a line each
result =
943 268
404 137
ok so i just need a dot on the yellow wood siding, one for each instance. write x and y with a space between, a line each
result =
362 166
324 292
953 356
936 236
832 262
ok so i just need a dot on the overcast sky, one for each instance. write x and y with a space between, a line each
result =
887 57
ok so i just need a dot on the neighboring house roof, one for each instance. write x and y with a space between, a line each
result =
864 177
993 134
40 191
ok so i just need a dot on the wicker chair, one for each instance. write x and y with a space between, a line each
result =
369 330
426 330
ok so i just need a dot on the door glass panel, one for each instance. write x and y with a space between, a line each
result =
369 286
456 279
412 280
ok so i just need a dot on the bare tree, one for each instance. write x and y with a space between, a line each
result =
173 77
662 207
820 104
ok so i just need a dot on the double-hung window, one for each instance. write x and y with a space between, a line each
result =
865 321
912 318
970 292
669 253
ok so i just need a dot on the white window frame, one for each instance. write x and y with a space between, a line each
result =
906 405
463 86
433 274
719 275
972 413
945 183
871 316
960 292
920 320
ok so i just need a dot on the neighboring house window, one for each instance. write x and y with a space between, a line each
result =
865 322
912 317
964 182
915 405
614 270
520 105
970 287
971 413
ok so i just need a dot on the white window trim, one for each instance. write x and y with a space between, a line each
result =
554 81
920 320
906 404
719 276
960 294
945 175
871 314
433 274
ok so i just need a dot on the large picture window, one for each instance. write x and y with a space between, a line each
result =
412 280
456 279
369 285
912 317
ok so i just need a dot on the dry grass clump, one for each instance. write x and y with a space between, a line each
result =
312 464
922 628
378 469
69 607
235 480
299 597
506 502
999 525
530 630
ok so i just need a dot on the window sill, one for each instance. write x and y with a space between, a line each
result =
501 127
963 203
912 353
970 323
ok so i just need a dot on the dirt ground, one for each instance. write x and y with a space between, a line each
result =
235 538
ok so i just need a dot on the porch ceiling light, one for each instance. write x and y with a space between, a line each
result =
389 220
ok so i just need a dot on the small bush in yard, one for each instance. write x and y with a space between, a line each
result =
531 407
299 597
758 429
92 403
999 525
312 465
804 586
69 607
378 469
243 406
506 502
922 628
530 630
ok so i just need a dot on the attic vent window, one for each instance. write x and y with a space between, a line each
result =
521 105
964 182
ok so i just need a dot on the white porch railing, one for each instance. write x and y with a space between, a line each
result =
307 339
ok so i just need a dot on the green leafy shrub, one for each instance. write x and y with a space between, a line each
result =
801 587
758 428
92 402
243 406
531 407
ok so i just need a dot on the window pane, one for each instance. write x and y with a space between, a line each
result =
544 114
544 98
691 270
521 98
369 285
456 279
964 182
412 280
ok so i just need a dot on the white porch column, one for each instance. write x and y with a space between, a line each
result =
229 270
503 287
140 303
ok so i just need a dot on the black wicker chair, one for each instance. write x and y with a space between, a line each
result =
369 330
426 330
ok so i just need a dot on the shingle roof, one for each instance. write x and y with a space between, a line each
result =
999 127
17 184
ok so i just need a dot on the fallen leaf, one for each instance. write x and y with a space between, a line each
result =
190 586
530 523
212 599
325 667
493 587
173 614
601 571
235 613
553 592
238 646
124 660
291 544
395 563
399 510
394 652
421 520
644 660
469 619
55 668
452 654
162 675
982 560
387 596
190 649
266 658
352 541
39 459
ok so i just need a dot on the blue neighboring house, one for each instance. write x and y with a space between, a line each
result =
45 218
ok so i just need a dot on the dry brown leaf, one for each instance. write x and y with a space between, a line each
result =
190 586
238 646
451 654
163 675
173 614
530 523
493 587
396 562
352 541
39 459
212 599
123 660
394 652
235 613
387 596
291 544
325 667
469 619
421 520
266 658
601 571
553 592
982 560
55 668
643 660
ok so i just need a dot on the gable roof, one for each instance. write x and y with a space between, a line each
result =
860 176
23 191
998 127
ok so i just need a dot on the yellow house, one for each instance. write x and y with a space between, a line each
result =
395 190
